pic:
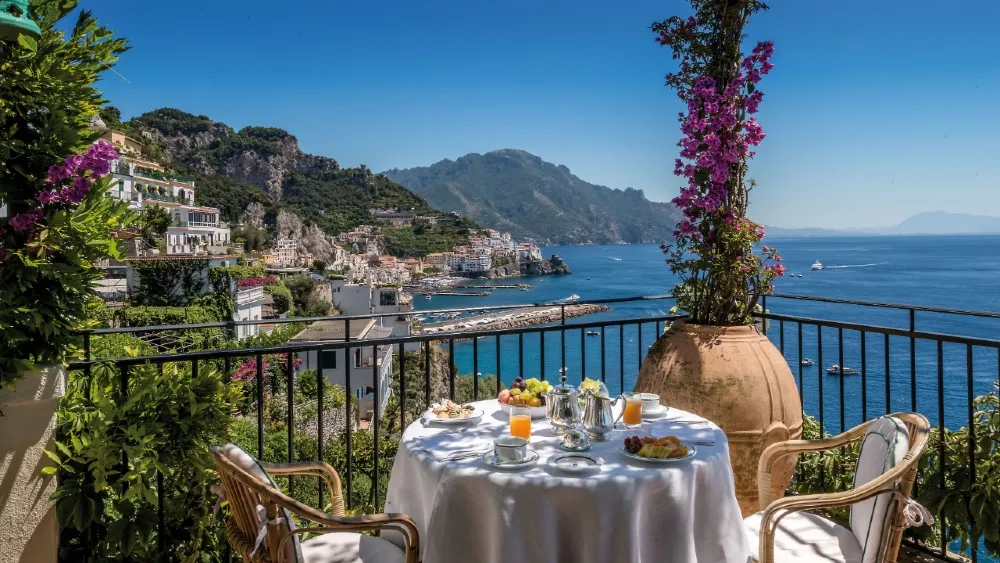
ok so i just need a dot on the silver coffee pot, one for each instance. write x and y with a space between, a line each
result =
562 407
598 418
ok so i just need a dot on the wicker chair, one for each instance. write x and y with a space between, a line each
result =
259 524
880 505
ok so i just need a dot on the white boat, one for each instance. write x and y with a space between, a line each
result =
817 266
570 299
427 297
800 275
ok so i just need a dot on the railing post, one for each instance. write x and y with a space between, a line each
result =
763 313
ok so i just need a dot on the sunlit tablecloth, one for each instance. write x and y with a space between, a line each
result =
631 511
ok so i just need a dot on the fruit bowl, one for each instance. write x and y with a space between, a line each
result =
525 393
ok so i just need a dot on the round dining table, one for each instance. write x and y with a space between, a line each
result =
624 511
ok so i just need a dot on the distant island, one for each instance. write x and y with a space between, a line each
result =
927 223
516 191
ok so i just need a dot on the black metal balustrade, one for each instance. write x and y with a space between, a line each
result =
500 343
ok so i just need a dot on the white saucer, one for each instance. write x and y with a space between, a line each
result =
491 459
659 412
576 463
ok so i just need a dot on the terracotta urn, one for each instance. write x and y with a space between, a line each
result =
29 530
735 377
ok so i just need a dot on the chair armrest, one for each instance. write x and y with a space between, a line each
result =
372 522
778 450
313 468
775 511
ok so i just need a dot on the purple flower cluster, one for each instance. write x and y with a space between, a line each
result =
24 221
719 133
256 282
72 179
69 182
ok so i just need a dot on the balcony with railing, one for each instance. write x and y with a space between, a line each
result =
908 358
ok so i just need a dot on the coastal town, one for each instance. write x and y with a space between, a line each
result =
352 273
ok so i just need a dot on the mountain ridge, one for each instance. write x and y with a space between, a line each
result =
514 190
924 223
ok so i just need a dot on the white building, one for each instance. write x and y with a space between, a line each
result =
249 302
480 263
196 230
367 362
371 299
285 254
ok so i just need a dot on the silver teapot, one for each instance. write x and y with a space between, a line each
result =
562 408
598 418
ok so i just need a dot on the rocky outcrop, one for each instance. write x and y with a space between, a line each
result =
269 171
309 238
553 266
262 156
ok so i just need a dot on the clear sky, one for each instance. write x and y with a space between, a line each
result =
876 109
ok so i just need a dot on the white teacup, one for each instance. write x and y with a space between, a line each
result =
650 402
510 449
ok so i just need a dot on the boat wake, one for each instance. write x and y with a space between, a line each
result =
615 259
854 265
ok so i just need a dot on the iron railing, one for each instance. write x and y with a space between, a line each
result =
568 339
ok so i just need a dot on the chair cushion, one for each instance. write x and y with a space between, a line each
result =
345 547
248 463
803 537
884 445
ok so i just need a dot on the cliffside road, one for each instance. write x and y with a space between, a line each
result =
528 316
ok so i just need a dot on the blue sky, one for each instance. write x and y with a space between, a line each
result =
875 110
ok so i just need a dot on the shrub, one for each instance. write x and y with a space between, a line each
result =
281 296
111 449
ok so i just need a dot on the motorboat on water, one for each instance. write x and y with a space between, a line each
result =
817 265
427 297
806 362
593 333
570 299
837 369
800 275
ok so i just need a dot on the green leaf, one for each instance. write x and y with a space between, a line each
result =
27 42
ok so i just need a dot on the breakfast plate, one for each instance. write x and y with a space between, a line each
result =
431 418
691 451
491 459
576 463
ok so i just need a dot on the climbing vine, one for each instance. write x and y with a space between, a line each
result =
170 282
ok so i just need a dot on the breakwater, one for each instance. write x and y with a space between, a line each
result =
527 316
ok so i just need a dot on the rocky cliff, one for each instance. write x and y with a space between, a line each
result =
310 238
262 156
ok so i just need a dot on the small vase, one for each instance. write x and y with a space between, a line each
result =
735 377
29 530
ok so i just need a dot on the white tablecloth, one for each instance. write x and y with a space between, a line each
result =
631 511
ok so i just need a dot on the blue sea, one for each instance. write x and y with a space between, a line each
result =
961 272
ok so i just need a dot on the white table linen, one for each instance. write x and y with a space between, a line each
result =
631 511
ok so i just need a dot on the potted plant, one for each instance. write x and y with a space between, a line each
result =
716 363
57 223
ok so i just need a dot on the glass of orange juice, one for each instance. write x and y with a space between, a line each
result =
632 416
520 422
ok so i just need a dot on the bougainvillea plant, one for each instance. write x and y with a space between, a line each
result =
717 250
48 252
247 283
